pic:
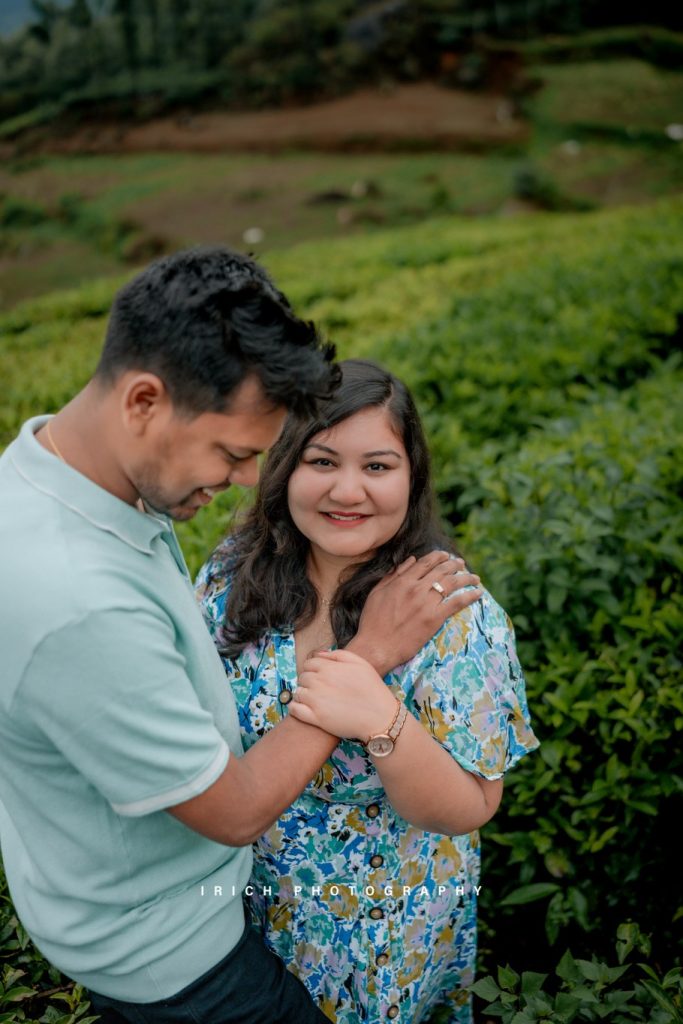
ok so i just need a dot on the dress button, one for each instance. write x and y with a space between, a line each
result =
372 810
382 959
376 861
393 1012
285 696
376 914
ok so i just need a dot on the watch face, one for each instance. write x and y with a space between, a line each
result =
380 746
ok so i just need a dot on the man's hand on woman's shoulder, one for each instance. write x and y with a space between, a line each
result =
405 609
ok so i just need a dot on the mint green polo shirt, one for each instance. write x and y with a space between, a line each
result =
113 706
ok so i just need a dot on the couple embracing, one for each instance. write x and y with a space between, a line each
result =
273 819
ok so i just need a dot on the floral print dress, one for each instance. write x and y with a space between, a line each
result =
377 917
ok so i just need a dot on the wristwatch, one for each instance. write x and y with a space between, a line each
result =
382 743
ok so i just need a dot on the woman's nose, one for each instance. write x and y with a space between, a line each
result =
347 488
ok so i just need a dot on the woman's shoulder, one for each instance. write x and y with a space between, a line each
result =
214 580
220 565
484 623
484 620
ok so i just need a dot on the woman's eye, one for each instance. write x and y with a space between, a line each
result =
320 462
376 466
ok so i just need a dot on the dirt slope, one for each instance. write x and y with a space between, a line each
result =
419 116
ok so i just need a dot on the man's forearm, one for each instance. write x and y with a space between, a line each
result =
373 652
278 768
257 787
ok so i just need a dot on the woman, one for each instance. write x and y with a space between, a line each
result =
363 886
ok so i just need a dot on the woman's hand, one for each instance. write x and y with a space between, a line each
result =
403 611
342 694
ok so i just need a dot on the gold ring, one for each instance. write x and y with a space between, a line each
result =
437 587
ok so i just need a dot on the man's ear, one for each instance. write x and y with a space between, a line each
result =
144 401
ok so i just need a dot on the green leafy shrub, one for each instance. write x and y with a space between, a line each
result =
587 990
20 213
31 990
580 535
109 234
567 330
536 187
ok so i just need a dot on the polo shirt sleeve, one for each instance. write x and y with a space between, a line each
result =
112 694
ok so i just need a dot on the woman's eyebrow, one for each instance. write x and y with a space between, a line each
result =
365 455
322 447
387 451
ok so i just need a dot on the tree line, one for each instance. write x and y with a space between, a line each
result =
258 52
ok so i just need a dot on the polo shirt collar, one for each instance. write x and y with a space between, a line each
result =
47 473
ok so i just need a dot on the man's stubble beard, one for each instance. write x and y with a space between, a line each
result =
157 500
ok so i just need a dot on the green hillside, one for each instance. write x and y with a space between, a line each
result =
599 133
545 355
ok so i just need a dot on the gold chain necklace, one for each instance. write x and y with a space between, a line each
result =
138 504
322 632
52 442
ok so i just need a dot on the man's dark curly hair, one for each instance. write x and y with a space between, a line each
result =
205 318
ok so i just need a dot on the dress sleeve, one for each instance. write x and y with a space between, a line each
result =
243 671
469 691
212 587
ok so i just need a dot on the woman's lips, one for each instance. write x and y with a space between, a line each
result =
345 519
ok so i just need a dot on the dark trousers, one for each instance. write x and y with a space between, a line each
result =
250 986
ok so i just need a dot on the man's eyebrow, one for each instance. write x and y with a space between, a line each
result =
365 455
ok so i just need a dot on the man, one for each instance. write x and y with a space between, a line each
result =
123 788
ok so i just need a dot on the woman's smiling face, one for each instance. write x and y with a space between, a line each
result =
349 493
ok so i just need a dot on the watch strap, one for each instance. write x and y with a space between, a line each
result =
397 724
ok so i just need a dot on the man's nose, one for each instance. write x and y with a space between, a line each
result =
246 474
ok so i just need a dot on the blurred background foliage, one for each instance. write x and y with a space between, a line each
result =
253 52
530 291
104 104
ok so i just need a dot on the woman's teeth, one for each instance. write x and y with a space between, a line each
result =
344 519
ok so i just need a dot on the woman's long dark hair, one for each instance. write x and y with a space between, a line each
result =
266 556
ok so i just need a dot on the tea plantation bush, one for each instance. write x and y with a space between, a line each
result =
580 534
545 357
